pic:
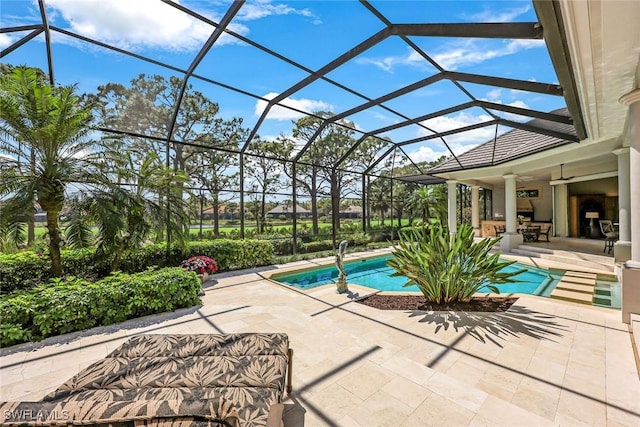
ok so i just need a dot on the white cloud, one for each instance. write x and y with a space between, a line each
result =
454 54
281 113
263 9
412 58
459 142
428 153
5 41
137 24
462 119
501 16
471 52
495 96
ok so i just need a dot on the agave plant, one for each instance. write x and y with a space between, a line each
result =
448 267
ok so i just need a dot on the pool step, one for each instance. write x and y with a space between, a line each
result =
589 261
576 286
580 274
579 280
607 294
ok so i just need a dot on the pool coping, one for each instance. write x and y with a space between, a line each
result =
358 256
356 289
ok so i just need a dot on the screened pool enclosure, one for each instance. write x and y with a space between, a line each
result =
307 120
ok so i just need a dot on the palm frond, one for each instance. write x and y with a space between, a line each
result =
78 232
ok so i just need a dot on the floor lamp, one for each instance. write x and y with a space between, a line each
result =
592 227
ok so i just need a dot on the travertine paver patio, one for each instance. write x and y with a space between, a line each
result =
542 363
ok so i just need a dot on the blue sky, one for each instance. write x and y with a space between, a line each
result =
311 33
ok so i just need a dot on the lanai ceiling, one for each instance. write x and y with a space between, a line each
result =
462 72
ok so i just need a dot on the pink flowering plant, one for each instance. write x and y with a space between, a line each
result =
200 264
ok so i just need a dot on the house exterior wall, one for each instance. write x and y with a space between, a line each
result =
498 203
542 206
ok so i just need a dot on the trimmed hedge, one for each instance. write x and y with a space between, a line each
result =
73 304
321 245
25 270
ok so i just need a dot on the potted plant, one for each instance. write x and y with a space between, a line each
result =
202 265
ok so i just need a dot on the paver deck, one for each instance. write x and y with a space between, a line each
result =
543 362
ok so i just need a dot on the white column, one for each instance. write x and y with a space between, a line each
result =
561 211
632 99
510 207
475 209
631 268
624 194
451 206
511 239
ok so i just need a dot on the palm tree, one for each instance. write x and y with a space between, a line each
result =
378 196
129 212
420 200
429 199
51 126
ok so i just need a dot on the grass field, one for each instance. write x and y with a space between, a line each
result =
248 225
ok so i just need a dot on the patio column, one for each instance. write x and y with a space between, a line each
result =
451 205
622 249
510 208
560 210
475 209
511 239
631 268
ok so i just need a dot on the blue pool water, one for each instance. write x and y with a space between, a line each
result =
375 273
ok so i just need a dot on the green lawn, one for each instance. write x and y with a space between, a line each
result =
248 225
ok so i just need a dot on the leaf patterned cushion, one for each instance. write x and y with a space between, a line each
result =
192 372
203 345
247 370
201 412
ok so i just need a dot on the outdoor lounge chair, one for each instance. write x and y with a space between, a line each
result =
215 380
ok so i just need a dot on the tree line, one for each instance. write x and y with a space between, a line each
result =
122 162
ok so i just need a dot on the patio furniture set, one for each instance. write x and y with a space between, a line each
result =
529 233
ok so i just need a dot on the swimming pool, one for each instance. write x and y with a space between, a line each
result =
375 273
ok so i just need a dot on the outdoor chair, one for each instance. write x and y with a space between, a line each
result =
499 229
610 234
545 233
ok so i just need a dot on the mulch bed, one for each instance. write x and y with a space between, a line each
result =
418 302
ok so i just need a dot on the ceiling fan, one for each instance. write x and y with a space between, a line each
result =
562 177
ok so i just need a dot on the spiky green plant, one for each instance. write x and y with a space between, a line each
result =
448 267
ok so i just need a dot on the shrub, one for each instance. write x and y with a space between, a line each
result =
281 245
321 245
448 267
234 254
25 270
68 305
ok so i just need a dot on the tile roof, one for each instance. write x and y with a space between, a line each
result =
515 144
